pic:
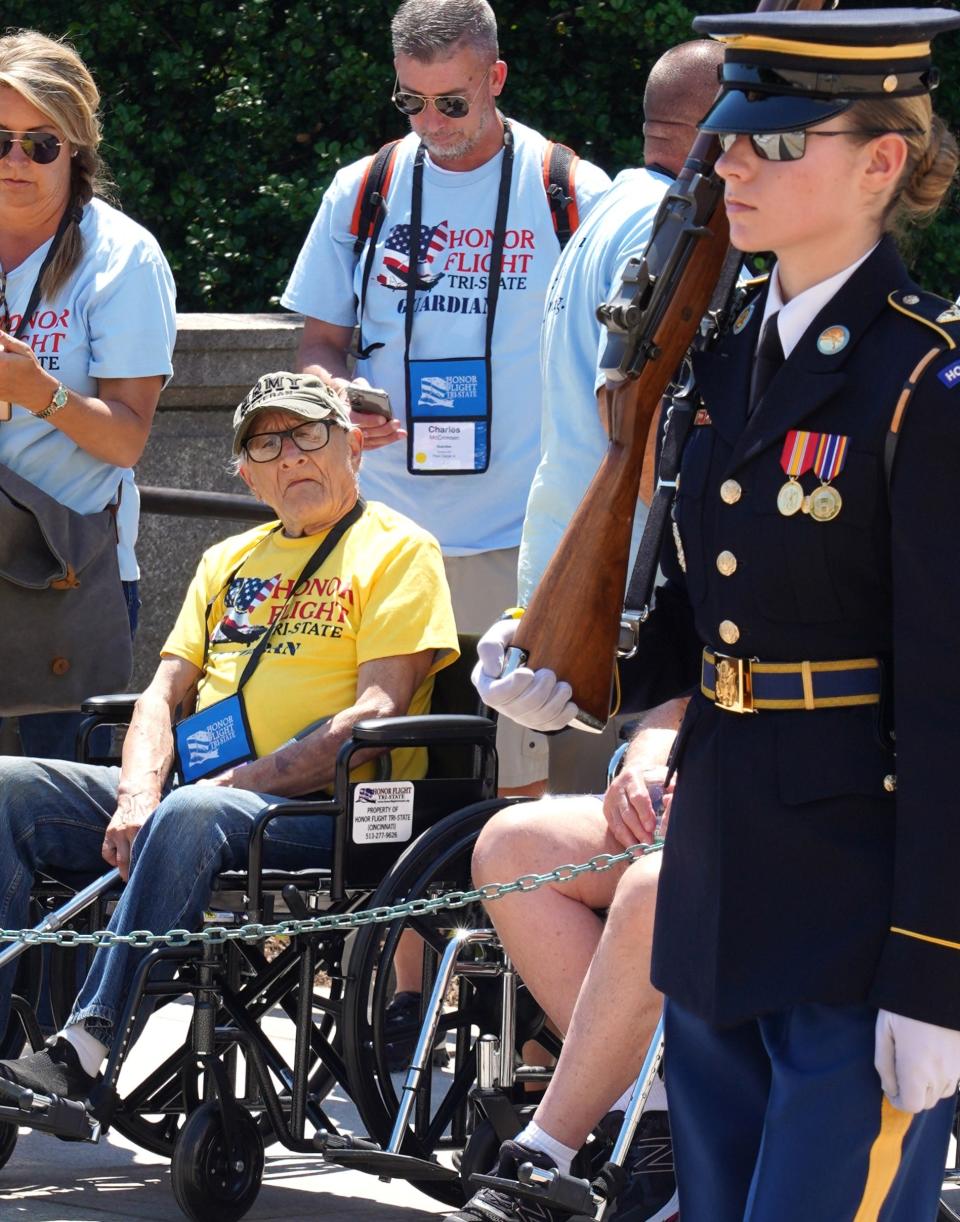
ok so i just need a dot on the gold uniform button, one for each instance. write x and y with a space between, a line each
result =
729 632
890 783
727 563
730 492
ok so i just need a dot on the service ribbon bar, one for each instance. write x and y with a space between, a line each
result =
831 455
799 451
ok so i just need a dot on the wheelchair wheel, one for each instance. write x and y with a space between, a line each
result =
27 985
8 1140
950 1193
443 1117
216 1174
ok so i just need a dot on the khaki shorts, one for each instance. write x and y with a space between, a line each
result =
482 587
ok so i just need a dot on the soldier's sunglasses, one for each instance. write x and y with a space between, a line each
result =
790 146
450 105
41 147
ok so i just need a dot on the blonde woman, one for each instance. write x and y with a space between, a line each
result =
87 319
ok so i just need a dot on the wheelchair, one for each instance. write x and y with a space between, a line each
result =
213 1104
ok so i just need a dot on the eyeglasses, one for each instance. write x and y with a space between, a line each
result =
450 105
311 435
41 147
790 146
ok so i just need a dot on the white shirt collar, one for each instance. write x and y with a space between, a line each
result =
795 316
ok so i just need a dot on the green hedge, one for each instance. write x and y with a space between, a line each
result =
225 122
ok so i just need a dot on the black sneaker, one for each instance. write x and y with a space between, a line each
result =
401 1027
650 1193
494 1205
54 1070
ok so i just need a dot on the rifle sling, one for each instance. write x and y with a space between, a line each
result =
640 587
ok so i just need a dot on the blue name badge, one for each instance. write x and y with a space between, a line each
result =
215 739
448 389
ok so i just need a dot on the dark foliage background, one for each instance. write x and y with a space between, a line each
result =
225 121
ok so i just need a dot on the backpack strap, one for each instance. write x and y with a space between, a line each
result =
559 175
368 213
368 209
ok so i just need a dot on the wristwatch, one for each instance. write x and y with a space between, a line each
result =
60 396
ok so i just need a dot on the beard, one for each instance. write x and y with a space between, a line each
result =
454 149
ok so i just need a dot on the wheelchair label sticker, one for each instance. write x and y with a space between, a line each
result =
383 812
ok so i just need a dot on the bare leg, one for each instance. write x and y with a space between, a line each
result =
562 917
614 1018
408 963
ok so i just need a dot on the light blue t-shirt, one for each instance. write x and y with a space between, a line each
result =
471 512
573 441
114 318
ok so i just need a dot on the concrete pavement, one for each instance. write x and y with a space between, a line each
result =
47 1180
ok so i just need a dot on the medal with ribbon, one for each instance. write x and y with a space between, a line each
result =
797 457
825 502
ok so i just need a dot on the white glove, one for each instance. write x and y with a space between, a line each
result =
918 1063
533 698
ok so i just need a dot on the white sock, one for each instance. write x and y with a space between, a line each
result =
656 1100
90 1052
534 1138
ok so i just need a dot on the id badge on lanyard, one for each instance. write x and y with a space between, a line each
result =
214 739
450 399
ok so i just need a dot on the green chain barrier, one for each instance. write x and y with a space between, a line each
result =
143 939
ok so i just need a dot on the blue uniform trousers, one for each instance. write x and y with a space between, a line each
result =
782 1119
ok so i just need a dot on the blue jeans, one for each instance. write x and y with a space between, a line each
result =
54 735
53 815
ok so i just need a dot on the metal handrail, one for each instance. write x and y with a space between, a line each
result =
189 503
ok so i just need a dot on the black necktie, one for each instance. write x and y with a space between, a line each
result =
768 360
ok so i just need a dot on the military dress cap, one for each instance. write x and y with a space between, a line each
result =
787 70
300 394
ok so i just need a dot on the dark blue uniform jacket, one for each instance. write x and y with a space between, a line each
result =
790 874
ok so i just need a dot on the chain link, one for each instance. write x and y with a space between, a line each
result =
143 939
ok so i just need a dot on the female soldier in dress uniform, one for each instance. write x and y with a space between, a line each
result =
808 927
808 923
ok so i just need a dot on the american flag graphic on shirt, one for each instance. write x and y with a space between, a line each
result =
396 254
243 598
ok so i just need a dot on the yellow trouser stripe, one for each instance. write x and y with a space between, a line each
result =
925 937
885 1154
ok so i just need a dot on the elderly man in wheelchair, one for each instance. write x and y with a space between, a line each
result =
290 634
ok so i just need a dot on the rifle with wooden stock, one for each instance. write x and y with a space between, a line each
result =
572 625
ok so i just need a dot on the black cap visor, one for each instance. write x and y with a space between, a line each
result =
737 111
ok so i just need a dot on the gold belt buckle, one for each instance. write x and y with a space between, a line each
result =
732 683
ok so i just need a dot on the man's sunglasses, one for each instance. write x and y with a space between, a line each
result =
790 146
311 435
41 147
450 105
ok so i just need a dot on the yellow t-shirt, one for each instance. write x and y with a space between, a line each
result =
381 592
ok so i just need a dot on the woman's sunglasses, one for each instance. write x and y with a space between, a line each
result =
40 147
790 146
450 105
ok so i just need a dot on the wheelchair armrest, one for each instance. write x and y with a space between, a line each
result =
118 704
423 731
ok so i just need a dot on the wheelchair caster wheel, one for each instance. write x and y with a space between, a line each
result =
8 1139
215 1180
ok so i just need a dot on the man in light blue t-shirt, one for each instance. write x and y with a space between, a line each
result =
457 354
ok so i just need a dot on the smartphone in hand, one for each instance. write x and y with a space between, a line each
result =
367 399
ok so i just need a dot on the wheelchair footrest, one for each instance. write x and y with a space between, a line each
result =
64 1118
564 1193
360 1154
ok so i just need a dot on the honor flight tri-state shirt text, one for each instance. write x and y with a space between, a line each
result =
380 593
